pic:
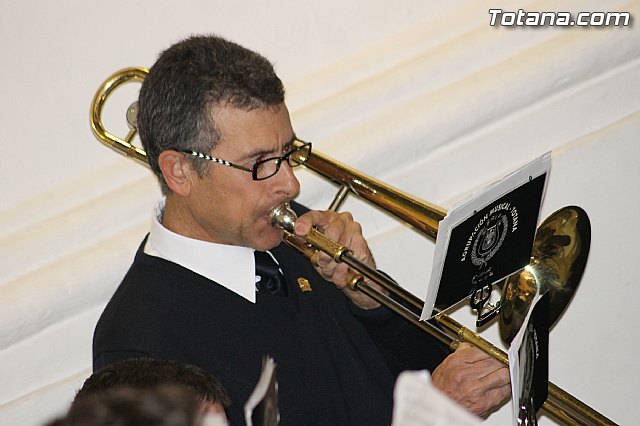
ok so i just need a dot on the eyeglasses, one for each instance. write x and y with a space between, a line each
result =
263 169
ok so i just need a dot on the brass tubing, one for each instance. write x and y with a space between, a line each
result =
381 280
402 311
560 414
421 214
339 198
584 411
465 335
119 145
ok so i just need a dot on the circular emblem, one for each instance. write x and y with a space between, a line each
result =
489 238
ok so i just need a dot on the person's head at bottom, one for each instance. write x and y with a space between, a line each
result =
152 374
162 405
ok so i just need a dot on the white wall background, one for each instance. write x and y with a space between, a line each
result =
422 94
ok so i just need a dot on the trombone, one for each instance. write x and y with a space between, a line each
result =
552 267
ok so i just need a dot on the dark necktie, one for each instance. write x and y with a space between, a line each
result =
271 279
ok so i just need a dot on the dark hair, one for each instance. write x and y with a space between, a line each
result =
150 372
124 406
187 79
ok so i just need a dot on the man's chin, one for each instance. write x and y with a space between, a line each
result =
269 239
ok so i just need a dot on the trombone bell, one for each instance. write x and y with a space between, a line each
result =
558 259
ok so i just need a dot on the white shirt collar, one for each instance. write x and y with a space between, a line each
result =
230 266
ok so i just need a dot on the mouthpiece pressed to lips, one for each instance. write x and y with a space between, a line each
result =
283 217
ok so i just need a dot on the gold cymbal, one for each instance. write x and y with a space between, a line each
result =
558 259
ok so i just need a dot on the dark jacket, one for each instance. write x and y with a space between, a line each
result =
336 364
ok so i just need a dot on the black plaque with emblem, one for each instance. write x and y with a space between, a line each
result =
486 238
492 243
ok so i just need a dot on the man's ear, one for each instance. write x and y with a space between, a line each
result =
177 172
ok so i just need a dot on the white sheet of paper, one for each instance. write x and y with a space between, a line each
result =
261 394
514 362
418 403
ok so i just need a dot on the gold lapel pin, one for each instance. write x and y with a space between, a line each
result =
304 284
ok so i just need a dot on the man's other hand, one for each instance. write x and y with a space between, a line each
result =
474 379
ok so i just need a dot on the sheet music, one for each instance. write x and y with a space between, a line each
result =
418 403
500 219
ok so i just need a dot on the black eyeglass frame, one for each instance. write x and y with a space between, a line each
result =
254 169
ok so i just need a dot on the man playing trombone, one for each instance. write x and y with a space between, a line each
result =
217 134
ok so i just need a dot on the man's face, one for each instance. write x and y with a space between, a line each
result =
227 206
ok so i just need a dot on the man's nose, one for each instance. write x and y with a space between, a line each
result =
287 182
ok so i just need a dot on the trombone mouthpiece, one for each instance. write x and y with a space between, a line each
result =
283 217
